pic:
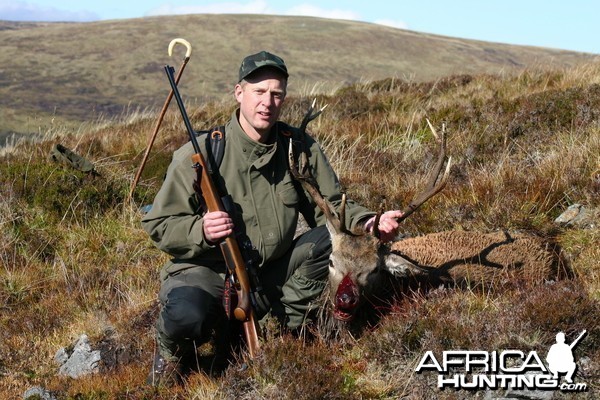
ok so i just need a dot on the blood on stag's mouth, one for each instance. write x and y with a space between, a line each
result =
346 299
343 315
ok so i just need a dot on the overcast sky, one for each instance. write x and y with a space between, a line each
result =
560 24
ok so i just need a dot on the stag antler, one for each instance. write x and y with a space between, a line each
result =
301 173
435 184
303 158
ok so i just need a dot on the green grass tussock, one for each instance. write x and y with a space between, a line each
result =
525 146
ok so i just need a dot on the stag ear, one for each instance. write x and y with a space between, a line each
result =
400 267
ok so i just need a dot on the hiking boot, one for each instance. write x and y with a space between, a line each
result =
164 372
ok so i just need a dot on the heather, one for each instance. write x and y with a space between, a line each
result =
525 147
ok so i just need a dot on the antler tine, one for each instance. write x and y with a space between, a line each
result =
435 183
376 231
341 217
307 117
310 115
302 174
310 185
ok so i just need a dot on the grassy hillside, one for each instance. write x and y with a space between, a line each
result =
525 145
54 74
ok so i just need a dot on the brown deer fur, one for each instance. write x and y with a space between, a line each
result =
485 258
361 265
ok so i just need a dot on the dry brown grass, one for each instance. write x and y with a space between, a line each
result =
75 260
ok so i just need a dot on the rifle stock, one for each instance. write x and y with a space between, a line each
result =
230 249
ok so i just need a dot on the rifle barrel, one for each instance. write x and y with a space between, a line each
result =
188 125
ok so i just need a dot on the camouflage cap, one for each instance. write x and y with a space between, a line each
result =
261 60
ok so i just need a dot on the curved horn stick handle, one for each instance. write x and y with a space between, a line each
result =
188 53
184 42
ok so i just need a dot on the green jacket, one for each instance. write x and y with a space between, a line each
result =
267 199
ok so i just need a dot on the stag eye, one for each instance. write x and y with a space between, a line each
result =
332 270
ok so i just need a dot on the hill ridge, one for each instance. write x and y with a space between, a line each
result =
72 72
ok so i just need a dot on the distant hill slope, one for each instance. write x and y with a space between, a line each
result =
79 71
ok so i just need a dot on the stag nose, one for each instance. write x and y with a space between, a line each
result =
347 294
345 299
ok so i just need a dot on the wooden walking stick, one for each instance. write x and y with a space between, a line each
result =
188 53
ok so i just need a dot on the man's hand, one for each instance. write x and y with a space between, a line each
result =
388 225
217 226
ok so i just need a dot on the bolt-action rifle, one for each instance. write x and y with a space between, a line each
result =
236 265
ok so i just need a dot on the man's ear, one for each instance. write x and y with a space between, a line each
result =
238 92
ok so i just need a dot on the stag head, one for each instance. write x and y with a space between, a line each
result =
359 258
357 262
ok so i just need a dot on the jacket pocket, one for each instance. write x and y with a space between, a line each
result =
288 194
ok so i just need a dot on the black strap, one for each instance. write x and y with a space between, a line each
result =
215 145
215 148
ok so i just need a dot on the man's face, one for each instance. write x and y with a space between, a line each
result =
261 98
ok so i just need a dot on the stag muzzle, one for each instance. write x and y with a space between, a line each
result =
346 299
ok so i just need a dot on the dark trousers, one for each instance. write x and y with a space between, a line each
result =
191 298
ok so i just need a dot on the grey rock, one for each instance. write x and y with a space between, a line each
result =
579 216
61 356
38 392
80 361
